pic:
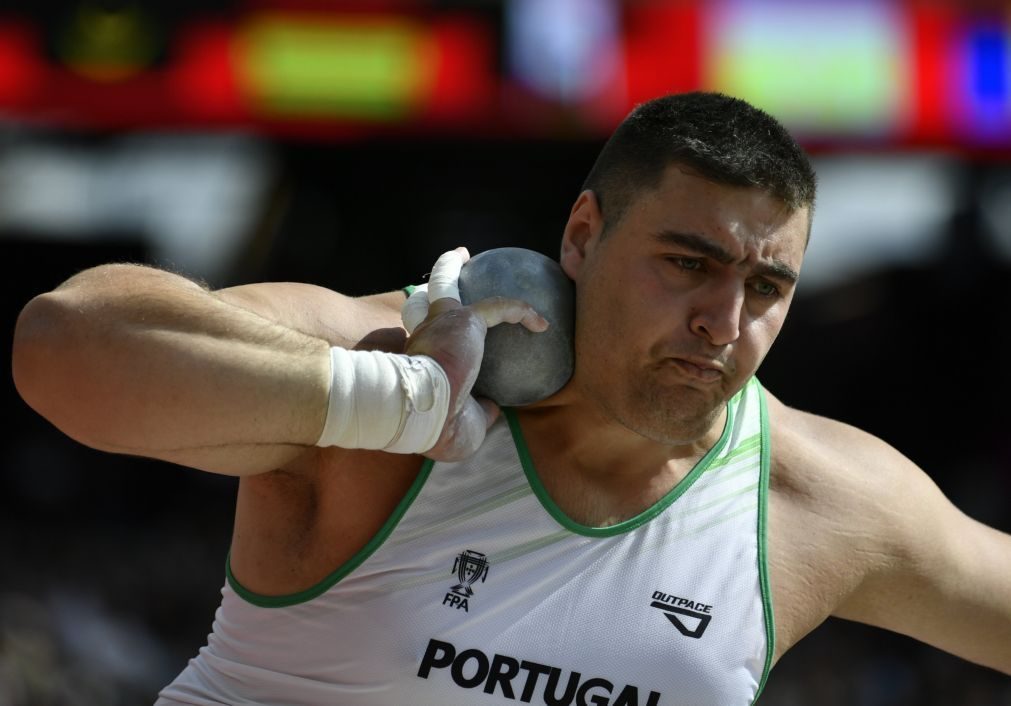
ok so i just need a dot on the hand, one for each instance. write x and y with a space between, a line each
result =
453 335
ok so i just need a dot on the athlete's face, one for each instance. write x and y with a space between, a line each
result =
678 304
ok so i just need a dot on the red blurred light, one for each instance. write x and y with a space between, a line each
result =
931 59
21 70
204 75
465 76
663 49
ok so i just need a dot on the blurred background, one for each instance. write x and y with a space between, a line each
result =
349 143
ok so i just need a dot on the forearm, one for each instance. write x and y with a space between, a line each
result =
136 360
979 597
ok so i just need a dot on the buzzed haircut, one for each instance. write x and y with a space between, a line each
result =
720 138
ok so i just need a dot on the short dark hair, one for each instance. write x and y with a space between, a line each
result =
721 138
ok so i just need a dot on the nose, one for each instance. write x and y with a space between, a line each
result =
716 315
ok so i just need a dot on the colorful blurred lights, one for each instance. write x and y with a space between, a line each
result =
985 76
561 59
823 68
107 45
378 68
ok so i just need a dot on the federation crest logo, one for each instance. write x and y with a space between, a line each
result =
470 567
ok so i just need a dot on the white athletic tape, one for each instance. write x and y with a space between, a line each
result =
388 401
415 309
444 281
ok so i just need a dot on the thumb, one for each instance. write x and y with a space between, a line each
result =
490 409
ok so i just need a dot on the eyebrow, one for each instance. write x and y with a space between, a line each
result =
777 269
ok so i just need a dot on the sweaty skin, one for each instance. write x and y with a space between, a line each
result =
678 304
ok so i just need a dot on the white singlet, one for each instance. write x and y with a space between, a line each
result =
479 590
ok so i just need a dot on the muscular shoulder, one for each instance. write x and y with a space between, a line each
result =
826 465
840 511
856 530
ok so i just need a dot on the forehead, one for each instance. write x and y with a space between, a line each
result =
747 221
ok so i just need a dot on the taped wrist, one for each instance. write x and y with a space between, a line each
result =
397 403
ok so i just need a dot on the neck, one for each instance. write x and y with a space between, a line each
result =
576 435
597 471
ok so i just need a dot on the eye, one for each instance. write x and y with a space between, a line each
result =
691 264
765 289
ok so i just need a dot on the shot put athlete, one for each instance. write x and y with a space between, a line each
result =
659 531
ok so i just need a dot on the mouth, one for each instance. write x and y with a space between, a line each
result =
703 371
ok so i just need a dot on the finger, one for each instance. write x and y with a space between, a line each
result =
443 284
415 308
464 433
490 409
500 310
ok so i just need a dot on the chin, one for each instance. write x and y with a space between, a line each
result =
677 432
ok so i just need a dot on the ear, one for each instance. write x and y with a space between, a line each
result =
582 232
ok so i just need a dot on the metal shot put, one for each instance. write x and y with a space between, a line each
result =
519 366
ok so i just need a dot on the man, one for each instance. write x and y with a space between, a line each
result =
660 531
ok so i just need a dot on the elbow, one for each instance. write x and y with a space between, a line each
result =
37 334
47 336
54 333
79 358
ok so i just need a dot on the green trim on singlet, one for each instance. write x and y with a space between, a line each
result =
632 523
763 554
744 447
409 289
344 569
